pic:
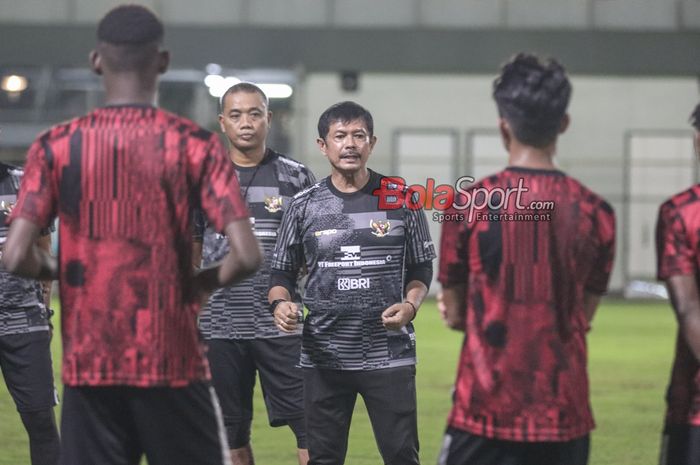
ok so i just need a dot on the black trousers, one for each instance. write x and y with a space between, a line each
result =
117 425
681 445
390 397
462 448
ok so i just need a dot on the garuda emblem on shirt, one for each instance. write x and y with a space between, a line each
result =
273 204
379 228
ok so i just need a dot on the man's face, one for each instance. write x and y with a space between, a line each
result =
347 145
245 120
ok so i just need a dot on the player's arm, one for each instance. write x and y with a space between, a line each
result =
287 259
452 306
243 259
284 311
590 305
44 243
400 314
22 256
685 299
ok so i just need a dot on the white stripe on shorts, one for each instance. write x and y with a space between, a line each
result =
225 453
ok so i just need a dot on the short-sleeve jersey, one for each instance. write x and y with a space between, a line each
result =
123 181
242 311
22 308
678 253
356 256
522 371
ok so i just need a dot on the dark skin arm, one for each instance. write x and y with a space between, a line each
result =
243 259
590 305
685 299
24 257
44 243
196 254
452 308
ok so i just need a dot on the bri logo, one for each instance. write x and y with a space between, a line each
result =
347 284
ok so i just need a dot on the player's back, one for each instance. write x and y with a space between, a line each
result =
523 368
125 179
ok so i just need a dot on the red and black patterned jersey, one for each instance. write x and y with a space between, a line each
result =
122 181
678 253
522 371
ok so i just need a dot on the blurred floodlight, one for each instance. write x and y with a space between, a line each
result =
276 90
14 83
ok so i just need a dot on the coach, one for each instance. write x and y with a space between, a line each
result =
368 272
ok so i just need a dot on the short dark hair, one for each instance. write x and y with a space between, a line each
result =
532 94
247 87
129 36
695 117
344 111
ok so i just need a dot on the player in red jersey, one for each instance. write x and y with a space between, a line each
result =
123 180
678 253
523 283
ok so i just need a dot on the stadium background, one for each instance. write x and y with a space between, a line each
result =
424 69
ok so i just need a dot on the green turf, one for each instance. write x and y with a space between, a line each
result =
631 347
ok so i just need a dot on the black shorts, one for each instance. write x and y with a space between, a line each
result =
680 445
117 425
234 363
25 360
390 397
462 448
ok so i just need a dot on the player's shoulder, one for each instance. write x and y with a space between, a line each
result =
184 126
306 194
287 161
588 195
687 200
61 130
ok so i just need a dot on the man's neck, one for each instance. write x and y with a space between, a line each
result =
350 182
129 89
526 156
248 158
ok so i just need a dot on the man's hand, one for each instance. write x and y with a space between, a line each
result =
450 302
398 315
286 316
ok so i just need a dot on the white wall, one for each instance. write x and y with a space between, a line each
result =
566 14
603 110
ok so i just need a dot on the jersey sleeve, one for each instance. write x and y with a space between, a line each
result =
219 192
597 282
419 244
289 250
674 251
37 199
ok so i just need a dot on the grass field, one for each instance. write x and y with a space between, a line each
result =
631 348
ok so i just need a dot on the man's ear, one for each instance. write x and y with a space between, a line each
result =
95 62
372 142
163 61
322 145
221 123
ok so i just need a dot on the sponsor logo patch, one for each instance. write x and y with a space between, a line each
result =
347 284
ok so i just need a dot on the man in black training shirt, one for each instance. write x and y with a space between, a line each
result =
25 340
368 272
240 331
